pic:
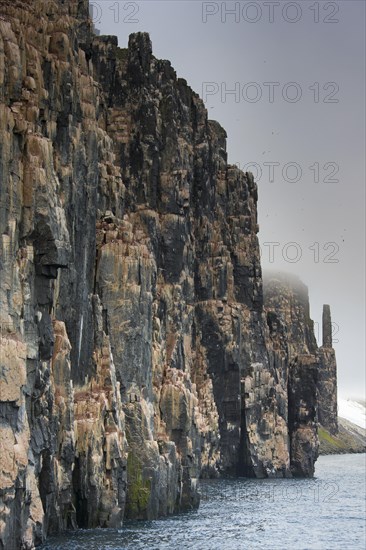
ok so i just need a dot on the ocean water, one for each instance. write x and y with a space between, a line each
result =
324 513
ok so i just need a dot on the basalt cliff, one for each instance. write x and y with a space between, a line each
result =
138 349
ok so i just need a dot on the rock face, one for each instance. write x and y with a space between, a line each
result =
310 371
292 334
136 351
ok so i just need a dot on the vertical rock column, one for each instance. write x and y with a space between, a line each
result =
327 327
327 384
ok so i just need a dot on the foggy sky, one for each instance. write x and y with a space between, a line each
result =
319 140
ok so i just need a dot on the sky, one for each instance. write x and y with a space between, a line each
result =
287 82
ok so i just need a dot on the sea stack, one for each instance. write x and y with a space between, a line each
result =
327 383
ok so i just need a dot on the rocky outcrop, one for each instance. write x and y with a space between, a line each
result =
136 351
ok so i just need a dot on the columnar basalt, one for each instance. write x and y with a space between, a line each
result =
136 352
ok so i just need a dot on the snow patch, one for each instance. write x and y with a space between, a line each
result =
353 411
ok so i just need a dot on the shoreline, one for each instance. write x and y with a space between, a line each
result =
350 439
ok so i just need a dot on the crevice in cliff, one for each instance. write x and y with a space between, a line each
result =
244 466
80 502
45 487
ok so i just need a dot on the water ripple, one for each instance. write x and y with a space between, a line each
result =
325 513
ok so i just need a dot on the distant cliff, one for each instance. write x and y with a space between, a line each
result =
292 332
137 351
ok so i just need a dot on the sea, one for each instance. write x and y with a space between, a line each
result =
327 512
